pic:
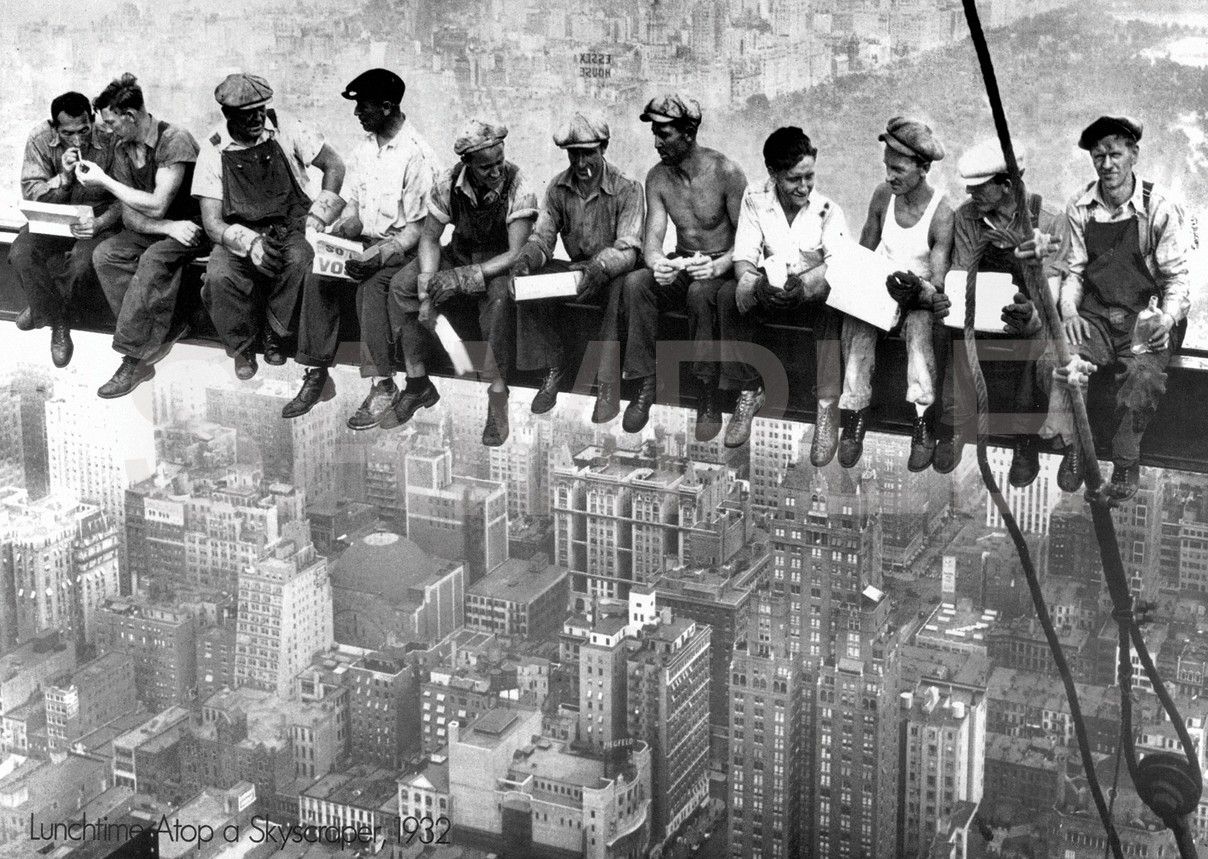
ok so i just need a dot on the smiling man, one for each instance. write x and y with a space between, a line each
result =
1128 244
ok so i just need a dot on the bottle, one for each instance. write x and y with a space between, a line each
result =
1146 326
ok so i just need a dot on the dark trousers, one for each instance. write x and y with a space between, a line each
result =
1017 377
541 335
737 329
496 319
49 294
319 323
240 299
644 299
140 274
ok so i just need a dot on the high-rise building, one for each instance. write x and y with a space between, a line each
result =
521 598
912 503
518 466
775 446
96 460
624 517
33 386
93 695
461 518
1033 505
602 662
384 705
285 613
161 639
58 562
12 442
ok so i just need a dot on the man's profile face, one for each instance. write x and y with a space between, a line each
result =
988 196
373 113
586 162
121 122
672 144
74 130
795 185
902 173
485 166
1114 158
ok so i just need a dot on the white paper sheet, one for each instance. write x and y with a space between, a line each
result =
52 219
857 284
452 343
995 290
556 285
331 253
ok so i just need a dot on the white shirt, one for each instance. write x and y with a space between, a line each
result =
301 146
764 229
388 185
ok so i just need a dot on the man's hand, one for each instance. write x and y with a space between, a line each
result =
937 302
905 288
665 271
1160 338
793 294
528 259
1001 238
363 269
595 275
463 280
1077 330
84 227
700 267
1039 246
1020 318
185 232
71 157
266 257
90 173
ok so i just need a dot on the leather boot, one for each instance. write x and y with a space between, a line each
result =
708 412
608 403
1025 462
826 435
61 347
638 410
409 401
749 404
130 374
922 445
316 386
496 430
851 439
547 395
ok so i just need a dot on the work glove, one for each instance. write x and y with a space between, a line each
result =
937 302
1020 318
905 288
463 280
595 275
529 259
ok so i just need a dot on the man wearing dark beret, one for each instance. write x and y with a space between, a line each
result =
487 200
256 206
598 212
699 190
1127 252
910 223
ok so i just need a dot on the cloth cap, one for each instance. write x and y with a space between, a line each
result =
375 84
1105 126
671 107
913 138
243 91
581 132
983 161
478 135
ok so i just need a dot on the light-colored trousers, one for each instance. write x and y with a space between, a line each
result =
860 356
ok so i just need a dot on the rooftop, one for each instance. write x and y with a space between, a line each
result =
362 787
378 561
518 580
264 711
144 735
544 760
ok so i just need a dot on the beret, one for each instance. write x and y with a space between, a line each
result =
913 138
243 91
671 107
581 131
1105 126
477 135
983 161
375 84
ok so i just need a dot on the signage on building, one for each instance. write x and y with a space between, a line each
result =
948 573
164 512
594 64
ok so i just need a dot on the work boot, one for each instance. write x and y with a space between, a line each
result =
922 445
25 320
1025 462
708 412
1126 480
496 430
638 410
61 347
749 403
274 348
130 374
547 395
608 403
317 386
851 438
245 365
948 451
826 435
416 396
375 407
1069 473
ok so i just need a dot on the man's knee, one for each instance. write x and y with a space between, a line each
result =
702 297
639 286
23 251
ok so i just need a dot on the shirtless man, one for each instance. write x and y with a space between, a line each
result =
909 222
700 190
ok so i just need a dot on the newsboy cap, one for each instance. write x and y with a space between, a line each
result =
243 91
911 137
983 161
376 84
477 135
581 132
1105 126
671 107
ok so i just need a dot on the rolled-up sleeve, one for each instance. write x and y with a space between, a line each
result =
748 235
417 184
207 174
631 213
549 222
1169 255
522 203
440 197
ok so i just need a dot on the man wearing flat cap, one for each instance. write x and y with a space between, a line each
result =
256 206
910 223
1127 248
598 212
389 178
699 190
487 200
1014 362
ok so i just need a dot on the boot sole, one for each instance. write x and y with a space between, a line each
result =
137 381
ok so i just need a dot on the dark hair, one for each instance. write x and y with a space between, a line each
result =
785 147
71 103
123 93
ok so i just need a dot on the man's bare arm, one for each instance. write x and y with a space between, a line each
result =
656 220
870 236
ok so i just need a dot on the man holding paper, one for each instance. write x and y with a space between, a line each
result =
598 212
140 268
390 176
699 190
786 233
487 200
256 207
910 223
1010 356
48 175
